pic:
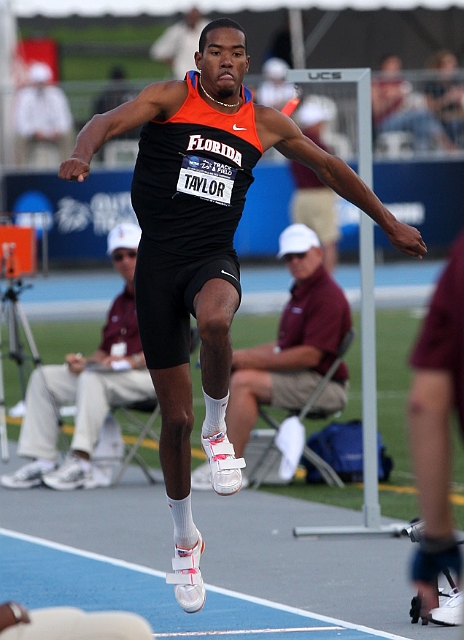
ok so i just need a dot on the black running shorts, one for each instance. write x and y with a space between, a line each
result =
164 300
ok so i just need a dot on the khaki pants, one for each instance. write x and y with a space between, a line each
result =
292 389
93 392
316 209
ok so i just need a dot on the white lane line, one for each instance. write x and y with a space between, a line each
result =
234 632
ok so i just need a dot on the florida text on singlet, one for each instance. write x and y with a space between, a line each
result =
192 175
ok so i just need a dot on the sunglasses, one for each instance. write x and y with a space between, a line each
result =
118 257
288 257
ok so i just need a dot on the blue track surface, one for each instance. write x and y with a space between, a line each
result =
94 285
88 294
37 573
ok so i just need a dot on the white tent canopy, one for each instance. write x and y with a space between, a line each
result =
300 47
304 39
61 8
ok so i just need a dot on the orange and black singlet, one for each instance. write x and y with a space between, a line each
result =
192 175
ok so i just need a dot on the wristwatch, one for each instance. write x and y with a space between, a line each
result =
16 610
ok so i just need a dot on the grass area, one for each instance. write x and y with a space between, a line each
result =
395 332
84 56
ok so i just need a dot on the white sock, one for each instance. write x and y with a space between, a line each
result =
185 531
215 416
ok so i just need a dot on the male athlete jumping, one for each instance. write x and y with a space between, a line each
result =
201 139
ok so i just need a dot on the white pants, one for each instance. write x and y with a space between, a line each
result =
59 623
92 392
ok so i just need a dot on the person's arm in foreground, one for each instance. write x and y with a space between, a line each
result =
429 431
12 613
276 129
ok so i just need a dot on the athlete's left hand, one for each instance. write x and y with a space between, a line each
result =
407 239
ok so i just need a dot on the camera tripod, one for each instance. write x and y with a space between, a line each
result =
18 326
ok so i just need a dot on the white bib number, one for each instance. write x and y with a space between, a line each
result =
206 179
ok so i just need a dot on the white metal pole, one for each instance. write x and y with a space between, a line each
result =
7 53
371 507
295 20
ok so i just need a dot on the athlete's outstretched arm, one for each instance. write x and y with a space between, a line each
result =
158 100
279 131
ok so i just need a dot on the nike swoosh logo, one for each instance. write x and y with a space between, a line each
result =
235 128
228 274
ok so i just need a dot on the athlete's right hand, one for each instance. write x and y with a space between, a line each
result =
74 169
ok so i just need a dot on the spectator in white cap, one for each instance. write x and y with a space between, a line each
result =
284 373
312 202
40 73
115 373
275 91
43 121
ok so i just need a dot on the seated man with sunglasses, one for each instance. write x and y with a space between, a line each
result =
114 374
285 372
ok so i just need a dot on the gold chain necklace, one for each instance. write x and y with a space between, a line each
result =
223 104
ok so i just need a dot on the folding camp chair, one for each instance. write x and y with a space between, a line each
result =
262 466
133 422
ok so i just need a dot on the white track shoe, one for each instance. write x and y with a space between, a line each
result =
189 588
226 477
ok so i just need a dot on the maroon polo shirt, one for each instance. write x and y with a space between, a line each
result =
440 344
121 325
317 315
305 178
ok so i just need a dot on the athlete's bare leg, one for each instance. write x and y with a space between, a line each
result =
215 306
174 392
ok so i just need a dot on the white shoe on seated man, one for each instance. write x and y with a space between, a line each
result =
75 472
115 374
